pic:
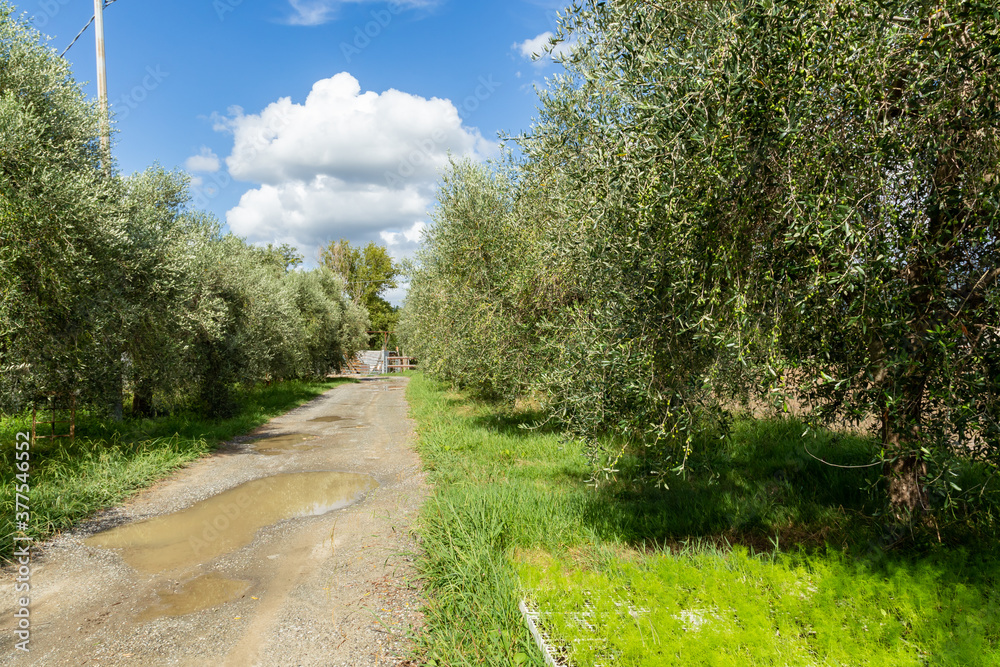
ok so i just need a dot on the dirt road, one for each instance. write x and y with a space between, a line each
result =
289 550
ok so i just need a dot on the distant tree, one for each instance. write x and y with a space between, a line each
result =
342 259
369 273
283 257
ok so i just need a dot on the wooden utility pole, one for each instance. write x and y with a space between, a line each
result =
102 86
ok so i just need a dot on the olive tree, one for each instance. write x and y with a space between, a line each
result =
156 285
61 226
823 179
111 284
484 285
256 319
742 200
333 327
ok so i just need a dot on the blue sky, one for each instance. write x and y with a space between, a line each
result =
303 121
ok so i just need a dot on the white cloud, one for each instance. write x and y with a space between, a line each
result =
311 12
322 210
404 242
205 161
407 236
529 48
540 48
340 131
318 12
344 163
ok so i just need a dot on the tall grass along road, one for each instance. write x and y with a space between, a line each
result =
760 555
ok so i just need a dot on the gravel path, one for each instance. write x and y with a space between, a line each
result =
331 589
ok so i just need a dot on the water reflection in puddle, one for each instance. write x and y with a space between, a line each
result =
329 419
197 594
230 520
281 444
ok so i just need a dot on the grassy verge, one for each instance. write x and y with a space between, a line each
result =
760 555
108 461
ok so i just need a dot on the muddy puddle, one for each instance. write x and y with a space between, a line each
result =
329 420
282 444
197 594
230 520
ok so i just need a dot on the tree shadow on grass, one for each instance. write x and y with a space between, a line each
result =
763 486
517 424
765 489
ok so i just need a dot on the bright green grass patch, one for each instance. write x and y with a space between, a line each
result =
69 481
512 516
496 487
707 607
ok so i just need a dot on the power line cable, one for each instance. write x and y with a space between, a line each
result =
107 3
78 35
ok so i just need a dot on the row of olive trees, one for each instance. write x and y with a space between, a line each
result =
743 200
114 286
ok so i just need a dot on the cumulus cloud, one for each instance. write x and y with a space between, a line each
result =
205 161
324 209
318 12
541 48
345 163
409 236
402 244
353 136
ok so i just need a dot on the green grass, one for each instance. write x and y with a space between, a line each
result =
759 555
705 606
69 481
496 489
